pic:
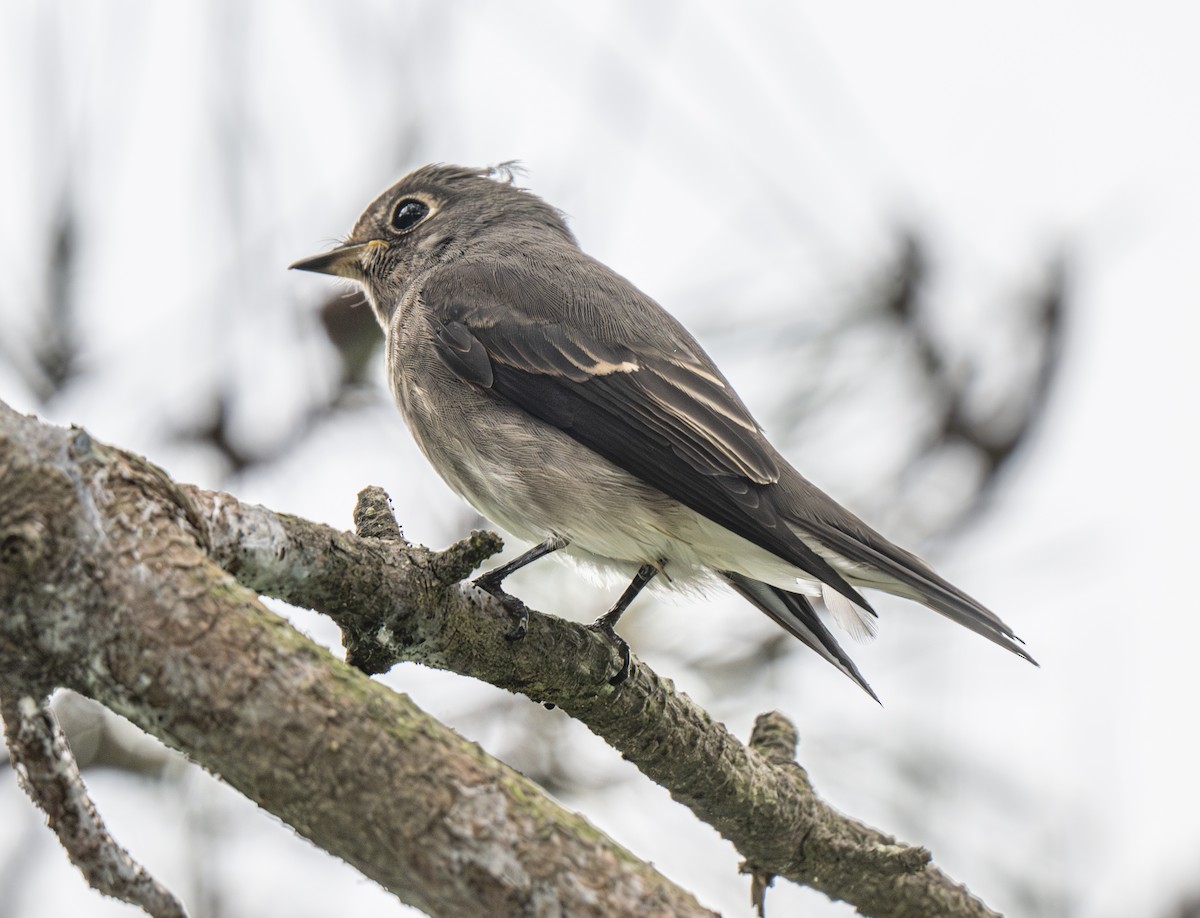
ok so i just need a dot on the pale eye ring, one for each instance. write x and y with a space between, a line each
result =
409 213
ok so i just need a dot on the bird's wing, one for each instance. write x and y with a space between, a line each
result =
632 386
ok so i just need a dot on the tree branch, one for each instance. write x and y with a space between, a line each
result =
50 776
394 601
105 589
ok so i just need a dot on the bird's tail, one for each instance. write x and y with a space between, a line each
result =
794 613
869 560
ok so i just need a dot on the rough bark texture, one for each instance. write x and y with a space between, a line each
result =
146 617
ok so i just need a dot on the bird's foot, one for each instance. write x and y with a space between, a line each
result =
515 607
604 626
492 580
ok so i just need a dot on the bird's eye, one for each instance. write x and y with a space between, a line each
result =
408 213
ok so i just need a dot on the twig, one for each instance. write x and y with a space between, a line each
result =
50 776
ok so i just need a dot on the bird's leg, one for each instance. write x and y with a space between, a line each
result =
606 624
492 580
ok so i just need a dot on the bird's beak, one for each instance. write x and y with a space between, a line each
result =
344 261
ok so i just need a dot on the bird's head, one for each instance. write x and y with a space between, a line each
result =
433 215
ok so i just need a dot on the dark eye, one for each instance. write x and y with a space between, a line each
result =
408 213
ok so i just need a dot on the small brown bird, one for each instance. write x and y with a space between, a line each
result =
568 407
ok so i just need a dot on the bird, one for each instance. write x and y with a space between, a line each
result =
573 411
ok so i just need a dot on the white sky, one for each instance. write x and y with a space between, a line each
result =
1000 130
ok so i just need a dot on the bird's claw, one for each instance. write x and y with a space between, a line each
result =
605 628
521 628
517 609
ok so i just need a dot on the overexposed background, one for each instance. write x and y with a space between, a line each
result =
756 168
